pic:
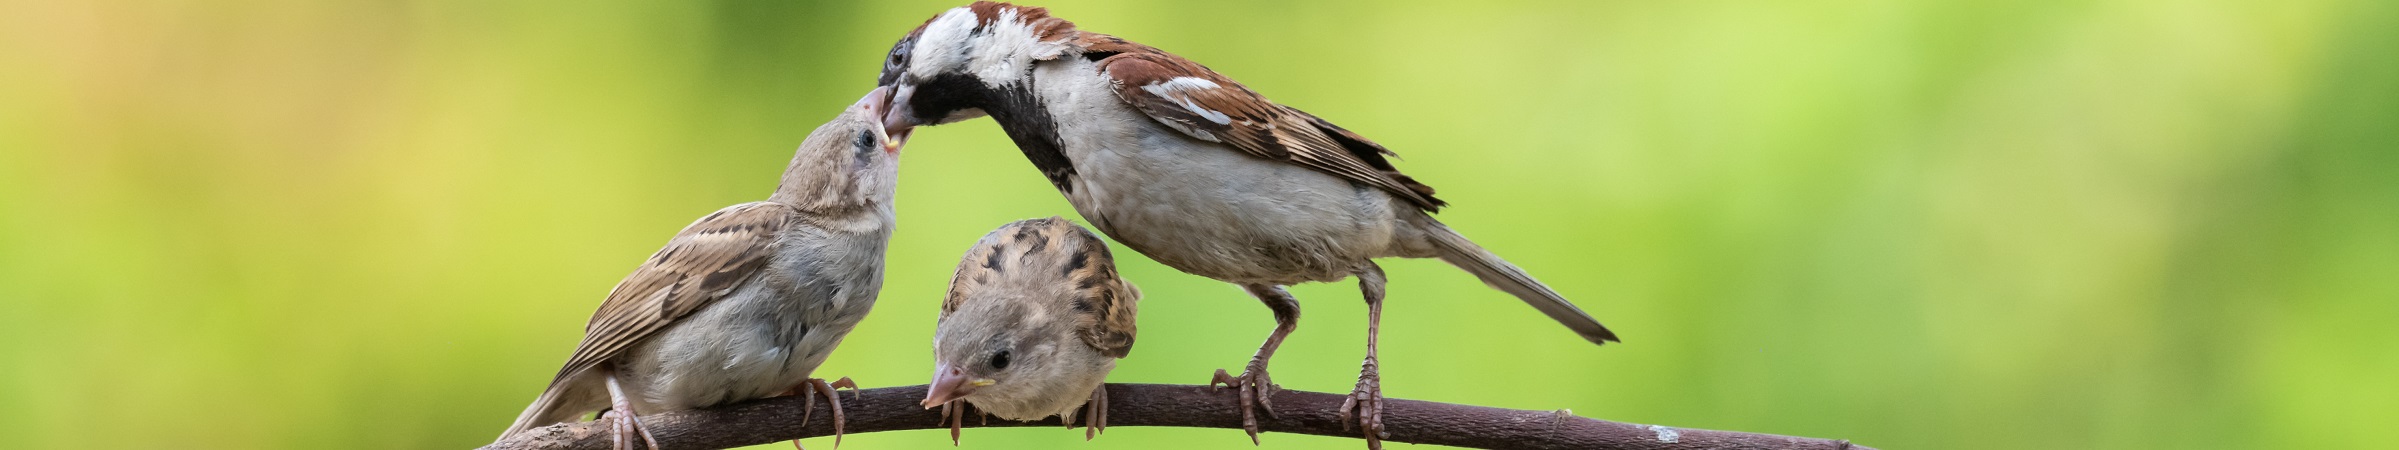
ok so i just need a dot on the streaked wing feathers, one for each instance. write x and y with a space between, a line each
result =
707 260
1208 106
1104 313
1038 254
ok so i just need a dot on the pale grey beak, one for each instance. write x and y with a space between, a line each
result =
949 383
875 105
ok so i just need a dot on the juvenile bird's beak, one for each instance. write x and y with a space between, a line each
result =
875 105
949 383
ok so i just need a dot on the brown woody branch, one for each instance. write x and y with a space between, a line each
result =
895 408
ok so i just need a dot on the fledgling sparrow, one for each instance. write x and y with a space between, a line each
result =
747 301
1035 318
1195 170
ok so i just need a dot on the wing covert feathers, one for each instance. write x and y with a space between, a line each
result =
1053 250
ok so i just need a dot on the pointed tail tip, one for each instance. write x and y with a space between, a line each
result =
1601 336
1499 274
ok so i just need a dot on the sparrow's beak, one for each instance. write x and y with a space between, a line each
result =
874 105
899 119
949 383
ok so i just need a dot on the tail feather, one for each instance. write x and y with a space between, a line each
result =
547 409
1501 275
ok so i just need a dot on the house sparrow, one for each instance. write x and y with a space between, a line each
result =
747 301
1194 170
1035 319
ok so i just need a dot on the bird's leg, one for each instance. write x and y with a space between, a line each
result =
1255 385
625 423
808 390
1365 403
1095 413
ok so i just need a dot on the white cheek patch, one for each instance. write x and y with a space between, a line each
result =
1005 49
1178 89
939 45
999 54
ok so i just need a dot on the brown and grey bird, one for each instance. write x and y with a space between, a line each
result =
1035 318
747 301
1190 168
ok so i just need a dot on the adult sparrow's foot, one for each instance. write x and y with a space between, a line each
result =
1256 388
1365 405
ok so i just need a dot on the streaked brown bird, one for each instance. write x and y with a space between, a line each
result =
1035 318
1196 171
747 301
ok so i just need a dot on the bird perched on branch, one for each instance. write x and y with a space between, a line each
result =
747 301
1195 170
1035 318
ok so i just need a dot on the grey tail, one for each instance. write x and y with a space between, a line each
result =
1497 273
545 410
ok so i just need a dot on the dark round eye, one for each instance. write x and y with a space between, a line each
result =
899 55
865 140
1000 360
896 62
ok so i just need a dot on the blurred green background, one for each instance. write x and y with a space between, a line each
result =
1960 224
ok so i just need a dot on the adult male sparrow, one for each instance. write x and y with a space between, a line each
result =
1035 319
1194 170
747 301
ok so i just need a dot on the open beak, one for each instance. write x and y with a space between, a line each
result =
893 140
876 105
949 384
899 119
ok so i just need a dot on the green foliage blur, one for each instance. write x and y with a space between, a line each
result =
1945 224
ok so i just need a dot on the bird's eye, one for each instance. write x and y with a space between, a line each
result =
865 140
899 54
896 62
1000 360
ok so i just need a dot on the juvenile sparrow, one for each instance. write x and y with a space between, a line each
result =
1195 170
1035 319
747 301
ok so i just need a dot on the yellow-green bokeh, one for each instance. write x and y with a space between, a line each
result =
1935 224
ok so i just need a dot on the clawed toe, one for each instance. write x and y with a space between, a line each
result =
846 383
1095 412
954 415
1255 390
808 391
625 428
1365 406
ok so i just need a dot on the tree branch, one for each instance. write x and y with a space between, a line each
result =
895 408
